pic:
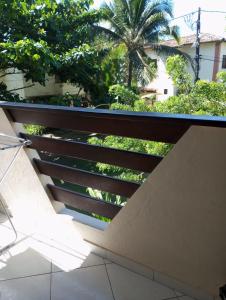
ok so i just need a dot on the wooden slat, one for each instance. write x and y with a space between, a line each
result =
151 126
84 178
126 159
83 202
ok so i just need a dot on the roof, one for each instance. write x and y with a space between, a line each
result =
190 39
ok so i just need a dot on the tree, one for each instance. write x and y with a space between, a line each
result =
204 98
221 76
176 67
135 23
48 37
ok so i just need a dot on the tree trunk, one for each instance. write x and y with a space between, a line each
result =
130 73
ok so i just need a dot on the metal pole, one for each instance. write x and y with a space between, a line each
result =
197 54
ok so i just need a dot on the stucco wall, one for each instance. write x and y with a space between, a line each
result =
51 87
162 80
223 52
175 223
14 81
207 52
22 190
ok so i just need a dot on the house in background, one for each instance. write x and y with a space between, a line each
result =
53 87
212 60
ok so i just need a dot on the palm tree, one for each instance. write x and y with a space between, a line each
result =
136 23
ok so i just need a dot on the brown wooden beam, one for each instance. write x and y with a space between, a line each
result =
122 158
150 126
84 178
83 202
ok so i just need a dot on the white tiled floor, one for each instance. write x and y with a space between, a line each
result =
45 269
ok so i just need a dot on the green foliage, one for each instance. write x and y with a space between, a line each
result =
221 76
135 23
61 24
82 66
6 95
205 98
63 100
202 97
32 58
213 91
35 129
122 94
114 64
124 97
50 37
176 67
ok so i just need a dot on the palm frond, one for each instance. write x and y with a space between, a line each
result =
168 51
173 31
117 14
108 32
155 7
156 22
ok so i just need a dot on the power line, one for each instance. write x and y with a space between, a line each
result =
214 11
191 13
196 11
209 59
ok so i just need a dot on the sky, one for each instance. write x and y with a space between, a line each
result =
214 23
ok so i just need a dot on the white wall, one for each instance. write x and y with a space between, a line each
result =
51 88
163 81
207 52
69 88
175 222
14 81
21 190
223 52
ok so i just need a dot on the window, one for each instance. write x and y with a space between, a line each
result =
165 91
224 62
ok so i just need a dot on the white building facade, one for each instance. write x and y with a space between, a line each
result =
27 90
212 60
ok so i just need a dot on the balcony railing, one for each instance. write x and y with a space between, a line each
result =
158 127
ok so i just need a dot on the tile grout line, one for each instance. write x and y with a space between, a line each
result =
79 268
136 272
110 282
48 273
22 277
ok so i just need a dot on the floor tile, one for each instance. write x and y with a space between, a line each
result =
29 288
131 265
128 285
71 261
107 261
82 284
23 260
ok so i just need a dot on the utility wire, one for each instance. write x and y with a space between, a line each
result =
217 60
191 13
202 10
214 11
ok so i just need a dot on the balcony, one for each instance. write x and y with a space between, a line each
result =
167 242
42 266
